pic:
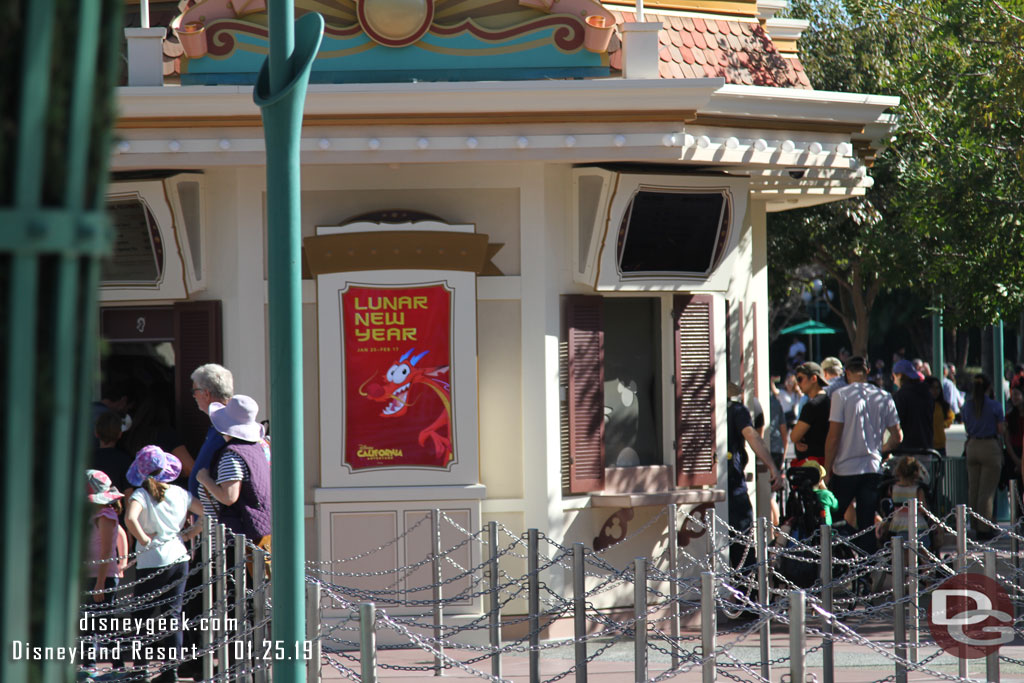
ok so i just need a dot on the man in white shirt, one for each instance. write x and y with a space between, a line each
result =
859 416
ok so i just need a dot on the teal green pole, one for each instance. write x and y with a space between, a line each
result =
938 346
280 93
998 356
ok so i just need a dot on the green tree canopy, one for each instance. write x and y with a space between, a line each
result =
944 217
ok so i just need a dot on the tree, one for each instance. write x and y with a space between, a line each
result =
943 220
960 152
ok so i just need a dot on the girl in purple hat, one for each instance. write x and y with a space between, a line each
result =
155 517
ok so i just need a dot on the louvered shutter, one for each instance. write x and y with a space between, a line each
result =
585 394
695 391
197 340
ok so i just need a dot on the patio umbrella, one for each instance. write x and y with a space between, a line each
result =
808 327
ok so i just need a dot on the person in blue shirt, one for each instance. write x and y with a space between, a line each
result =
986 431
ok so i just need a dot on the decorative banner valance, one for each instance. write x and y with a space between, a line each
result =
401 250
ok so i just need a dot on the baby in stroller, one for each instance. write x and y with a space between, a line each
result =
909 480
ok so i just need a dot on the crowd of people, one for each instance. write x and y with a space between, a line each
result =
143 479
848 417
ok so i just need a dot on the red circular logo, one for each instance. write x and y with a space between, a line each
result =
970 616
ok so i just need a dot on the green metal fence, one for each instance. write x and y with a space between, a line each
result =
58 62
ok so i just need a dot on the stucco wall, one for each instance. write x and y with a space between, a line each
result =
500 376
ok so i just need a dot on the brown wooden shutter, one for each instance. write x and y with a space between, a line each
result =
696 453
197 340
585 394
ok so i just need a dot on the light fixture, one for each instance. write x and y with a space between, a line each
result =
373 143
522 142
323 143
570 140
423 143
174 146
619 140
224 144
472 142
124 146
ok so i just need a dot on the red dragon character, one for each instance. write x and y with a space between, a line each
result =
398 381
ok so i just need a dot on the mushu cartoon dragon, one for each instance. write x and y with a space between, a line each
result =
398 384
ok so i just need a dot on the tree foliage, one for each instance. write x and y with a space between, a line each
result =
944 217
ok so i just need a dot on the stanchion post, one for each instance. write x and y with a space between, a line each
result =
495 611
1015 503
435 578
368 642
711 531
313 632
899 609
708 626
961 567
533 600
240 611
961 538
797 635
992 659
828 660
220 539
579 610
763 597
640 618
673 588
205 637
913 581
259 614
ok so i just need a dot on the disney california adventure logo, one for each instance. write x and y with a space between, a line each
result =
971 616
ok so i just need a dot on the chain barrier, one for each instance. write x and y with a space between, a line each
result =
857 589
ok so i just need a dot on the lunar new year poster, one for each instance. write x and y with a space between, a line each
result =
397 356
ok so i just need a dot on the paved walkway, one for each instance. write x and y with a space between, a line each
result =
853 664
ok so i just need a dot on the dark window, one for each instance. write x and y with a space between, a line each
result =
632 394
138 253
673 232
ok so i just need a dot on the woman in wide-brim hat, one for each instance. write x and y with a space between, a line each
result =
156 514
236 487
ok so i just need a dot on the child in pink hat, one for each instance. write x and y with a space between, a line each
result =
108 542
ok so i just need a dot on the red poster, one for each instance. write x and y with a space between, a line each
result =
397 354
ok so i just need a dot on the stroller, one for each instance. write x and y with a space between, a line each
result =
932 472
804 517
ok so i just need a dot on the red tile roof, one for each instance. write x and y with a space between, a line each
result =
739 51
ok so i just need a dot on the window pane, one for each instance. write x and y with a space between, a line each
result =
138 252
632 433
671 232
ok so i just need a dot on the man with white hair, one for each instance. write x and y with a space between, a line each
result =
832 367
210 383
